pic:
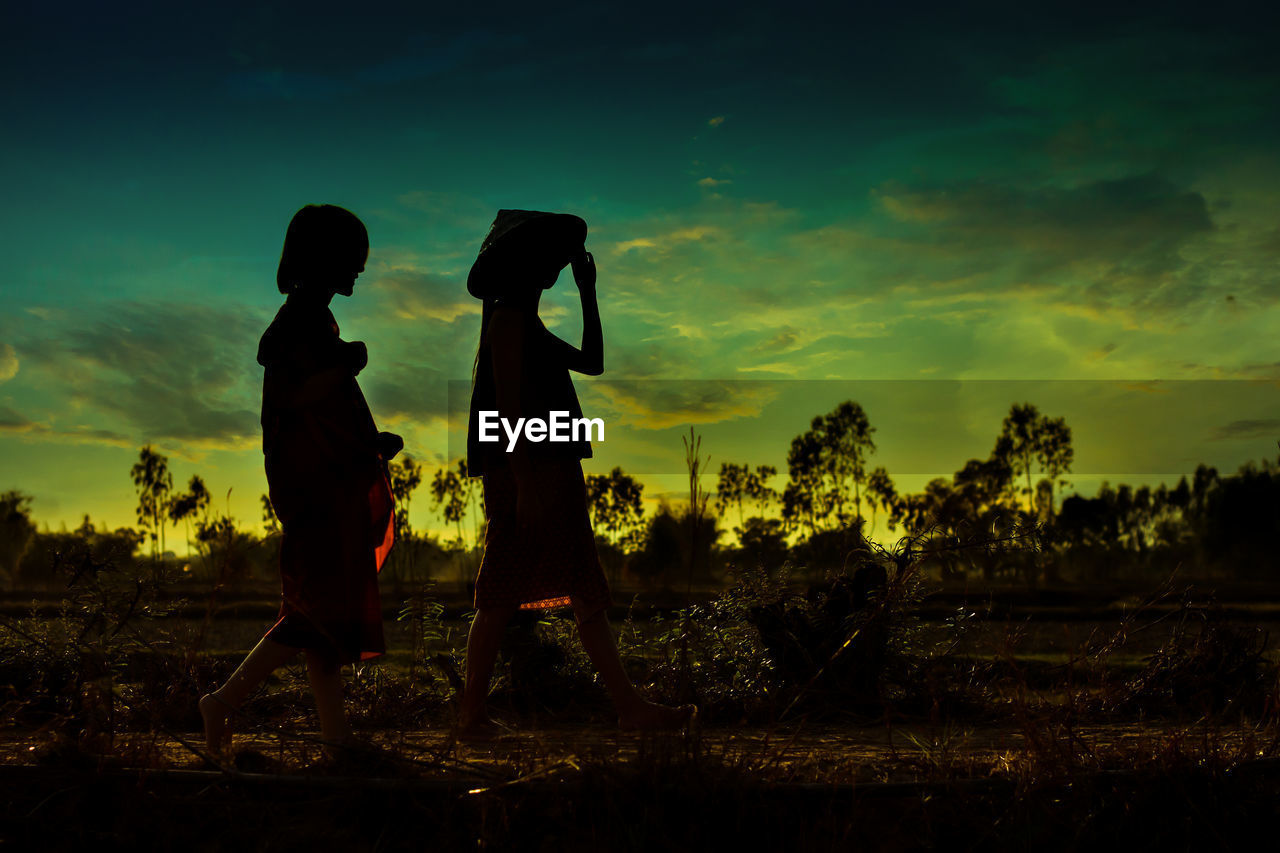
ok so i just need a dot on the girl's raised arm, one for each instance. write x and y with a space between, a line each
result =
589 359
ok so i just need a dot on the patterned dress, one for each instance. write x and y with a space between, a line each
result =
327 486
557 565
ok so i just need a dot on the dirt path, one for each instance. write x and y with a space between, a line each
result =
809 754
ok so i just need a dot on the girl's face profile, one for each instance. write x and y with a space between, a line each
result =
345 275
547 266
347 283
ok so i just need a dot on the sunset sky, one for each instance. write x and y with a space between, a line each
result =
933 210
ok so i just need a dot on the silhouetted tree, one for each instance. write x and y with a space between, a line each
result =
669 544
153 482
16 531
614 501
758 490
183 506
825 462
880 493
1027 437
762 542
226 549
62 557
739 484
1238 519
662 549
846 435
404 477
1055 454
270 522
731 488
803 498
450 489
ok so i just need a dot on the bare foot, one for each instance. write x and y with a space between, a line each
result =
479 729
217 723
358 756
650 716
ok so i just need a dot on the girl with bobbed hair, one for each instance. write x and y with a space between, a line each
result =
326 474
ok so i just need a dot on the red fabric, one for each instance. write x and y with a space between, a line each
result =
382 512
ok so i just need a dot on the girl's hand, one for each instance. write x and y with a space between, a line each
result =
389 444
584 272
357 356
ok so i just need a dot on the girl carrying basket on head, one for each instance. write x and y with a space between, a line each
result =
539 550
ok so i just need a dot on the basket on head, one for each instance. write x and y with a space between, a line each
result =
518 235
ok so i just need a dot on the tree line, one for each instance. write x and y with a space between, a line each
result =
1210 523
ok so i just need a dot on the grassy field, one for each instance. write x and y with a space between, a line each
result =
872 705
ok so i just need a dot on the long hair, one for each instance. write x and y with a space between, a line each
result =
485 313
319 238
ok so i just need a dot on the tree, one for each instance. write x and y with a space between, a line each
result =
450 490
824 463
1027 437
1019 435
185 505
404 477
226 549
881 493
757 488
153 482
614 501
846 439
738 483
762 543
803 497
16 530
731 487
663 545
673 538
270 522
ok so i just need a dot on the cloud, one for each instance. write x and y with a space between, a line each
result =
660 404
1113 250
665 242
786 340
11 421
1108 218
712 183
14 423
1248 429
405 390
8 362
715 121
414 294
173 372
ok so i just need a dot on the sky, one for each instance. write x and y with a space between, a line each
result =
936 210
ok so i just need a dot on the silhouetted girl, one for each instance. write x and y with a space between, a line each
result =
325 464
539 549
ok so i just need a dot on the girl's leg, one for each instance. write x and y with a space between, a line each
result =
482 650
216 707
634 711
326 685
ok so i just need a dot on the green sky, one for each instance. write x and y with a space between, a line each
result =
935 211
